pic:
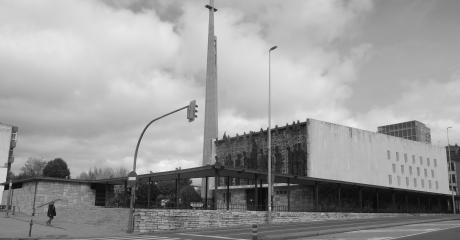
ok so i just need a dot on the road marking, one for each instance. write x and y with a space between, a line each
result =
146 237
420 233
209 236
398 230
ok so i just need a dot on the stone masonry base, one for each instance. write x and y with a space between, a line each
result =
147 220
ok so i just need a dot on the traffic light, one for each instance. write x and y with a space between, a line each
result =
192 111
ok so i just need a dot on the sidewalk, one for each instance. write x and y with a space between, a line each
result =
17 227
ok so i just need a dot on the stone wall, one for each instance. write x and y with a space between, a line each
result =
72 195
147 220
76 204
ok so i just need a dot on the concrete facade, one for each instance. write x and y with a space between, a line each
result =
329 151
353 155
454 170
349 170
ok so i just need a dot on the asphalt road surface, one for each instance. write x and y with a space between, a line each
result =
445 230
405 228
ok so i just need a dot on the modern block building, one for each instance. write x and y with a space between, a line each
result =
8 137
348 165
412 130
454 170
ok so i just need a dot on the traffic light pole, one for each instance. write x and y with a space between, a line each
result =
133 188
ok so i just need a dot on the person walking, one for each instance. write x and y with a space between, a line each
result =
51 213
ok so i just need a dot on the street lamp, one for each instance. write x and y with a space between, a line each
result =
269 178
449 169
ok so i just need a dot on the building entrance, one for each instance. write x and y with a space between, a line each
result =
256 203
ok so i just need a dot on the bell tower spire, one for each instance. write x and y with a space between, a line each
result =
211 114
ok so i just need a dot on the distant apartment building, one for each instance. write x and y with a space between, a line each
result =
7 144
412 130
454 170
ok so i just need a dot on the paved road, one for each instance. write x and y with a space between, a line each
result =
449 234
445 230
381 228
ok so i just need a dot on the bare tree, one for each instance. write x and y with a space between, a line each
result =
103 173
33 168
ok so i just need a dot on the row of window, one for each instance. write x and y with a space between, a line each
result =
428 162
415 182
410 170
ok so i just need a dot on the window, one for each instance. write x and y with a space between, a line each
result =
429 184
435 162
426 172
452 166
394 167
397 156
418 171
399 181
453 178
428 162
388 154
422 183
415 182
402 169
432 173
437 185
405 157
390 179
410 170
407 181
421 160
413 159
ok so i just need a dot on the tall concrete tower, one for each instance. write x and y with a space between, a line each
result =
211 116
210 107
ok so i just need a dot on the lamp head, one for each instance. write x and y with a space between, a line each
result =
273 48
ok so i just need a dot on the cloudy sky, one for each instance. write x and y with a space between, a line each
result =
82 78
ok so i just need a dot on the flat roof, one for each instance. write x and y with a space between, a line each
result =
218 170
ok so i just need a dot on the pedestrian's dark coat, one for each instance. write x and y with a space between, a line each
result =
51 210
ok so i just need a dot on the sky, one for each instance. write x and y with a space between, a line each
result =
81 78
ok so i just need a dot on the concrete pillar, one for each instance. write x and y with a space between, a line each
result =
214 193
126 193
339 197
439 205
289 194
256 193
228 193
316 196
418 204
177 190
393 199
406 199
206 192
149 186
377 200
